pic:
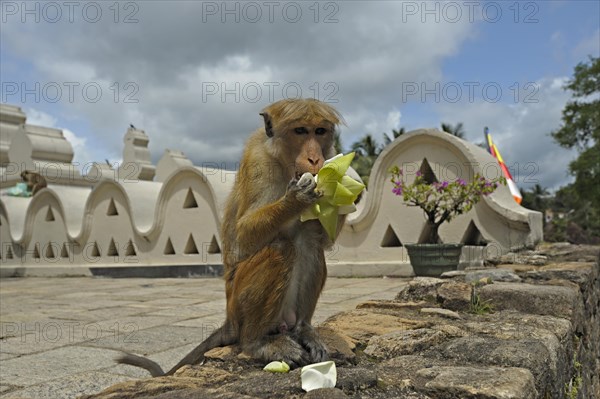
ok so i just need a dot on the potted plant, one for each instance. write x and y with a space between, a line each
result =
441 202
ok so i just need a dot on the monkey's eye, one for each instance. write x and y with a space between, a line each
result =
320 131
301 130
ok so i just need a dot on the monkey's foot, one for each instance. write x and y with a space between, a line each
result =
315 348
280 348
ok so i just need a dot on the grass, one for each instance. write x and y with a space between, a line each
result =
479 306
572 387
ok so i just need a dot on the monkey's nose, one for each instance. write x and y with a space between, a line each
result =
315 165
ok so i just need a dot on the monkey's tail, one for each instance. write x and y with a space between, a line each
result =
222 336
143 362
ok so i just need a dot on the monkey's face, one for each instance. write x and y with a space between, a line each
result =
309 146
302 133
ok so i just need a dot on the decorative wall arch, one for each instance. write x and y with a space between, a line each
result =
505 224
176 219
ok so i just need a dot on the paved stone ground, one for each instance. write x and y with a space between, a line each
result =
58 336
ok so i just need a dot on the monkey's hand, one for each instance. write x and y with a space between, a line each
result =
303 190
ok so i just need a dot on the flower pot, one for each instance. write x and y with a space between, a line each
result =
432 260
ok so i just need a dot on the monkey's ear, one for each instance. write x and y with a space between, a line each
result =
268 124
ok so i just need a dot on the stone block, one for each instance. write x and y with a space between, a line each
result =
455 295
477 382
420 289
441 312
495 275
361 325
400 343
531 298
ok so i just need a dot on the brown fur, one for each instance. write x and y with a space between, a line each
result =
35 181
274 264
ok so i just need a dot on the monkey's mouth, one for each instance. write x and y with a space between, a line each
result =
299 174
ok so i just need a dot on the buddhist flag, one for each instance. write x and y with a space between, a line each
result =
514 190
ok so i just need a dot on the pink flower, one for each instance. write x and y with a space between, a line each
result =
440 186
397 188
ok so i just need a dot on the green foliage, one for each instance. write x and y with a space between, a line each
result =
572 387
367 150
441 201
363 166
581 120
456 130
478 306
580 221
586 169
367 147
581 129
556 231
395 134
536 198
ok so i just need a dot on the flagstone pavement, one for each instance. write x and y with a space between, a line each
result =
59 336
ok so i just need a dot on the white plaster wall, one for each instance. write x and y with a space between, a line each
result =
150 213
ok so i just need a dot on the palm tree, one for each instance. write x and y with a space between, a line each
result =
457 130
395 134
367 149
535 198
539 195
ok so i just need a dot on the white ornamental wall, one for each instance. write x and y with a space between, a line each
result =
115 224
79 226
376 234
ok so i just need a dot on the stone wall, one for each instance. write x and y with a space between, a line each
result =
514 331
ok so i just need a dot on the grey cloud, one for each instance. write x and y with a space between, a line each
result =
522 132
171 52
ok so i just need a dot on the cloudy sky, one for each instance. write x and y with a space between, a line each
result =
194 75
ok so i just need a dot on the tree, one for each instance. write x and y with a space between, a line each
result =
457 130
367 150
366 147
539 194
577 222
581 122
395 134
536 198
580 129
